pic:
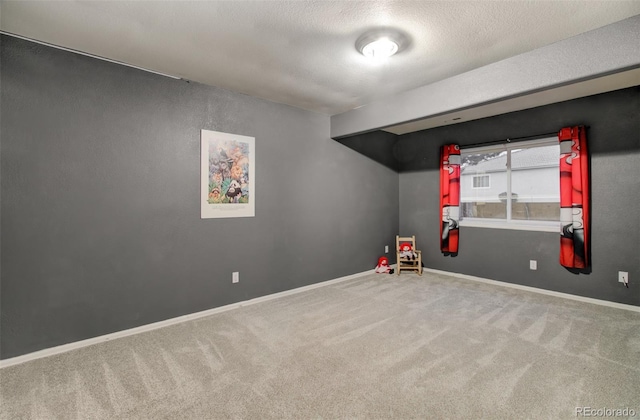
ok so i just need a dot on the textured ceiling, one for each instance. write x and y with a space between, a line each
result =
302 53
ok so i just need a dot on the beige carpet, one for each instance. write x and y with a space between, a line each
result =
379 346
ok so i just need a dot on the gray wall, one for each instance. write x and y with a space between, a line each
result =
100 216
378 145
614 141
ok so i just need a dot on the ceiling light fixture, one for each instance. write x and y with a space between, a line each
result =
381 43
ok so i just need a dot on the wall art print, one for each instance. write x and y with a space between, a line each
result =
227 175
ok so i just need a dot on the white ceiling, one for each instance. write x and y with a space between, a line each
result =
302 53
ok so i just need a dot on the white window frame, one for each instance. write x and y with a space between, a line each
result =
508 223
488 176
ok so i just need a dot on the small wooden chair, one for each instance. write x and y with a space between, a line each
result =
404 263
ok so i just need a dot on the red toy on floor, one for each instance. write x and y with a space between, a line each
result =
383 266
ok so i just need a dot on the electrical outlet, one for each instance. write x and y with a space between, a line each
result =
235 277
623 277
533 264
386 249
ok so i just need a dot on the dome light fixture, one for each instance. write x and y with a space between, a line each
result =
379 44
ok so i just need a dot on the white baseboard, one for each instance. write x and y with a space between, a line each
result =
537 290
161 324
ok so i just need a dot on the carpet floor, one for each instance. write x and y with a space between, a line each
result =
374 347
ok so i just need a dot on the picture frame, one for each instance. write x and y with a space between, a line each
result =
227 168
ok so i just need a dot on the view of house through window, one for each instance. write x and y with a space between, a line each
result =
516 182
481 181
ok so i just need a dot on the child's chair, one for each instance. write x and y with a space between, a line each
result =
407 256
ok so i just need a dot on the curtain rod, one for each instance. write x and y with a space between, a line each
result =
510 139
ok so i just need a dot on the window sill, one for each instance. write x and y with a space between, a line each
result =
516 225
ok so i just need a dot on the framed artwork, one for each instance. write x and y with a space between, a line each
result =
227 168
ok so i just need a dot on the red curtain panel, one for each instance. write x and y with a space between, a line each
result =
574 197
449 198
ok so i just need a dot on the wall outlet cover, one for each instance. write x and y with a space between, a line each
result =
623 277
533 264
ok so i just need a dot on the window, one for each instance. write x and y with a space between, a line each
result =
513 186
481 181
